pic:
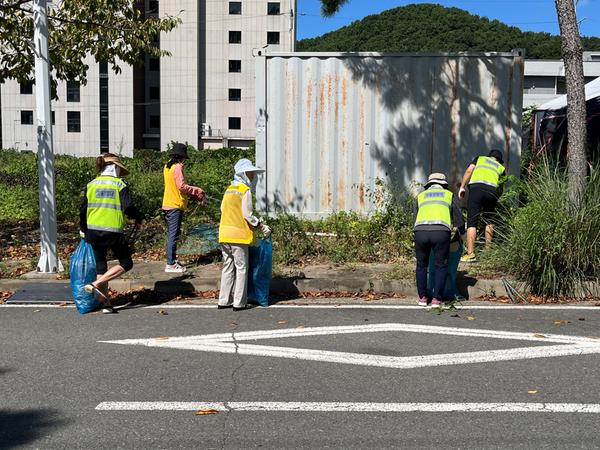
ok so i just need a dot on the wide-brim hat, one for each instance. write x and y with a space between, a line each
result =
245 165
437 178
179 149
495 153
117 162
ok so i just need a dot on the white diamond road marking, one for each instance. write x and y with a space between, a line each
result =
233 343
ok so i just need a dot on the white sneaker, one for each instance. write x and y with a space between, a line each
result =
174 268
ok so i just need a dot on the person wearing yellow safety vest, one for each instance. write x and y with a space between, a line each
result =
236 233
437 215
484 176
102 217
175 200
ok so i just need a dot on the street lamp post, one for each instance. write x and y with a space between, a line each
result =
49 261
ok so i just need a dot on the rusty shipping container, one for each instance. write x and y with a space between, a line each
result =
329 125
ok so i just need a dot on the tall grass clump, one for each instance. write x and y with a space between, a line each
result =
548 243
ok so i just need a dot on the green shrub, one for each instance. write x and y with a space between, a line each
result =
548 244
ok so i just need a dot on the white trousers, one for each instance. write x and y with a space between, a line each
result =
234 277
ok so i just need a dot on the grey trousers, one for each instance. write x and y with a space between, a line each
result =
234 277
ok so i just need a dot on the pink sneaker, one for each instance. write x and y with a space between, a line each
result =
423 301
435 303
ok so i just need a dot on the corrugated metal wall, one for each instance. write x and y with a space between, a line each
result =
330 125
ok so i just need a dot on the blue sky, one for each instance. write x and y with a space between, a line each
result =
529 15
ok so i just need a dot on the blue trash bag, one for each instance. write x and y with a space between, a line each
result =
260 270
450 291
83 271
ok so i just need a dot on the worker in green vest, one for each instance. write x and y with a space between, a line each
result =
102 217
437 216
484 177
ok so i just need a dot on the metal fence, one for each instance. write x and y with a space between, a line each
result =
329 125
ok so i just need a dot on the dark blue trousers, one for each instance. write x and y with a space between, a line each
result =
174 218
439 242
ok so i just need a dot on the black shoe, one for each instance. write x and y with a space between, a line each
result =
224 306
242 308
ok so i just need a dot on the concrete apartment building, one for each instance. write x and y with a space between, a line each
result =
86 119
202 94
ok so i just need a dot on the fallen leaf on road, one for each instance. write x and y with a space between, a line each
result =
593 337
162 312
532 391
561 322
470 317
204 412
281 322
36 310
233 323
581 318
538 335
454 315
162 338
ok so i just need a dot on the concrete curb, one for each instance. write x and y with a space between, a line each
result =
470 288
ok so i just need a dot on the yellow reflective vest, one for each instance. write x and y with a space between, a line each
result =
104 211
434 205
487 171
233 228
173 197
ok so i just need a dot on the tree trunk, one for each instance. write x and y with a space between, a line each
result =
572 51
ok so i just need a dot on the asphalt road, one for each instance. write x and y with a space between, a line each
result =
56 369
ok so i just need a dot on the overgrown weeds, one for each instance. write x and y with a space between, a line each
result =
548 243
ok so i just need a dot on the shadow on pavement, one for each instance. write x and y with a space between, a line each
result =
463 282
22 427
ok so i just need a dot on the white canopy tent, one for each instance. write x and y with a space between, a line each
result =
592 90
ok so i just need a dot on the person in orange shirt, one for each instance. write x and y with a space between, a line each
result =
175 200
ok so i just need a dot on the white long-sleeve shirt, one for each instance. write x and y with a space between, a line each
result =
247 210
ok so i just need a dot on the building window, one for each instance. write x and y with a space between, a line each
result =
235 123
273 37
73 122
26 87
154 93
235 95
235 65
26 117
235 37
235 7
73 94
153 7
154 64
273 8
53 118
154 121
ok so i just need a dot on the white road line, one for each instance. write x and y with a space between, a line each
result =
342 306
589 408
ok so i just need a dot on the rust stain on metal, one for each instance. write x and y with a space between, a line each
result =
361 145
344 92
454 119
508 125
309 94
361 196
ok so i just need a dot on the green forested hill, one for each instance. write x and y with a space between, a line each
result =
429 27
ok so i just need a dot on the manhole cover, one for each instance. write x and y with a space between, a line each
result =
42 293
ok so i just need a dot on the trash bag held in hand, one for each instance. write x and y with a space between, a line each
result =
83 271
260 270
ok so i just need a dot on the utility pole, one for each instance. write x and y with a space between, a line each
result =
49 262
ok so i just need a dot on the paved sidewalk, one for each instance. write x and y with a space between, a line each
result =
292 281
